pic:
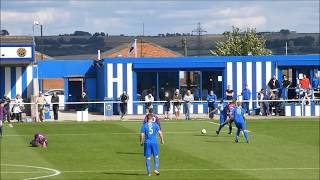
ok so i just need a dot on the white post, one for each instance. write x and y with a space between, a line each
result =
135 48
99 55
104 110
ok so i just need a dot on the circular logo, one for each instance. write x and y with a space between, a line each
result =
21 52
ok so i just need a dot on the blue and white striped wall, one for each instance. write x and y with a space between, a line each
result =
255 74
16 80
302 110
120 77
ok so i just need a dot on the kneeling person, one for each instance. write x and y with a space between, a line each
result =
148 139
39 141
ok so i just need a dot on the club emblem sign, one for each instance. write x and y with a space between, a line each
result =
21 52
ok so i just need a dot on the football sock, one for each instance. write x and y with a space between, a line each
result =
148 163
238 134
245 133
230 128
156 163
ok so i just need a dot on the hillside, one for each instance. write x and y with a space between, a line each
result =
298 43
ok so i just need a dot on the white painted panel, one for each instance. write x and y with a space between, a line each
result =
288 110
171 108
110 80
160 109
120 79
130 88
258 77
297 110
7 87
140 109
307 110
249 80
268 72
191 109
29 80
229 74
200 108
239 78
12 52
317 110
18 81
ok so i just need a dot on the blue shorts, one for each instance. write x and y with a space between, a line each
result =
241 126
150 149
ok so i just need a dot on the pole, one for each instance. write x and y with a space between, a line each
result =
41 46
286 48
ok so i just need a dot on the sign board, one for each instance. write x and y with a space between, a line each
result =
16 52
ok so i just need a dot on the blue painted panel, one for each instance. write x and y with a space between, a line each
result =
13 82
2 81
24 81
62 68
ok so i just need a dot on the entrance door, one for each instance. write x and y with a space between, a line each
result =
75 88
212 80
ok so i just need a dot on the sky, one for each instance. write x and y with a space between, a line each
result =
158 16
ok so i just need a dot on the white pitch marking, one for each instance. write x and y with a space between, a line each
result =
232 127
55 172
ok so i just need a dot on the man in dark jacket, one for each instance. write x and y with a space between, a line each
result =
84 98
6 101
55 106
123 105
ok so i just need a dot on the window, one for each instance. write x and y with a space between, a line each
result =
190 80
146 82
168 82
212 80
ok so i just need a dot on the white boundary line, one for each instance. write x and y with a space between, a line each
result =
140 170
232 126
55 172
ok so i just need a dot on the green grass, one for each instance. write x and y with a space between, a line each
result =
279 149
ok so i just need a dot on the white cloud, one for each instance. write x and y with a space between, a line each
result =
251 22
104 24
46 16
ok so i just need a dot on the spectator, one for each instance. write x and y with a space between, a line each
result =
260 102
55 105
229 93
246 96
285 85
124 97
316 87
177 98
148 101
3 113
266 104
274 85
273 105
18 107
188 99
211 99
84 99
166 106
6 102
41 101
306 88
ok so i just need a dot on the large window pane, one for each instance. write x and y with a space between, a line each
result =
190 80
146 81
168 82
211 80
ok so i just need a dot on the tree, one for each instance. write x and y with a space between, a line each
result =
241 44
4 32
285 31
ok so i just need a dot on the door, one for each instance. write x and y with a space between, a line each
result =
75 88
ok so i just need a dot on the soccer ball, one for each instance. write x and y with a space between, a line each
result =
203 131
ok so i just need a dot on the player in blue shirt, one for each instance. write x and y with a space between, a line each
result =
223 108
148 139
239 120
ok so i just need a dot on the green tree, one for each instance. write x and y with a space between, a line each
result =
241 44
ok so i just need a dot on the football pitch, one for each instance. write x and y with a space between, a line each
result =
279 149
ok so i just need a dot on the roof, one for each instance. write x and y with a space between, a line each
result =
144 49
16 40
